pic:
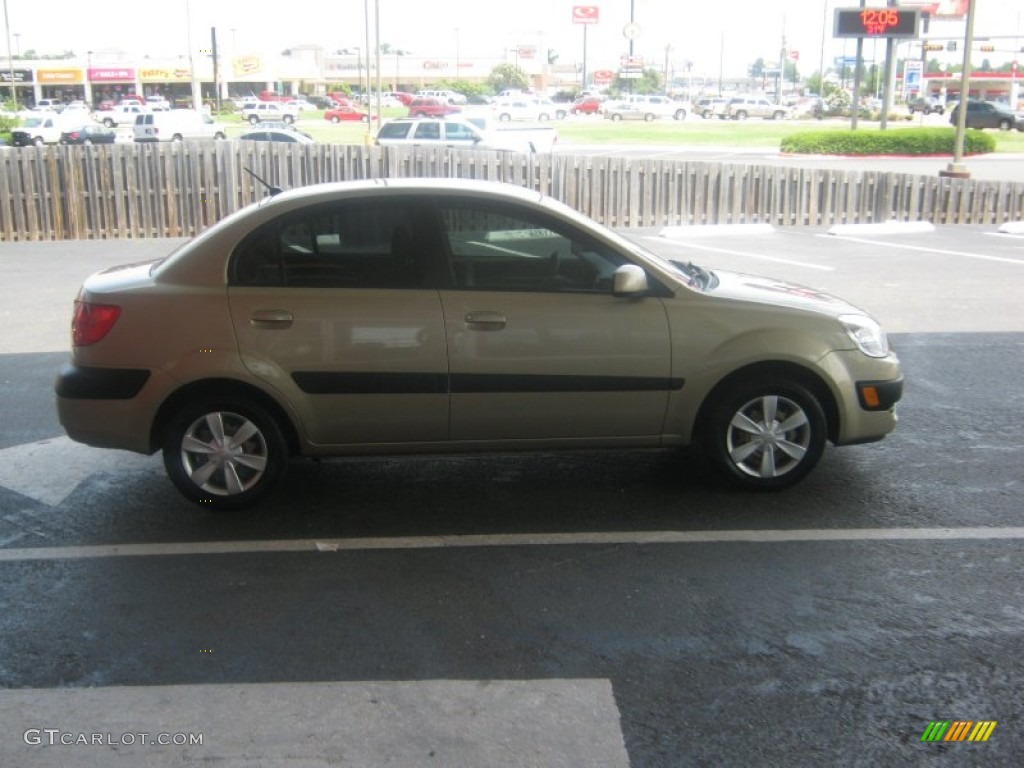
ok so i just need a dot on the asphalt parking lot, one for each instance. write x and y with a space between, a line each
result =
537 610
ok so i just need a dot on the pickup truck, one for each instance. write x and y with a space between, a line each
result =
459 132
122 114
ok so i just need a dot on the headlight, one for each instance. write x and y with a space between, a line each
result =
866 334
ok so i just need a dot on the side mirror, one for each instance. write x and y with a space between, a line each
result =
629 280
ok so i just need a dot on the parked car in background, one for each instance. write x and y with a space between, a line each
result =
445 315
402 97
38 130
431 108
528 108
261 133
158 103
90 133
53 104
627 110
281 125
988 114
465 131
124 113
742 107
320 102
451 97
346 113
710 106
176 125
662 106
926 105
256 111
586 105
298 105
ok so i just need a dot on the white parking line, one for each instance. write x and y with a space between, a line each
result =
923 249
603 538
729 252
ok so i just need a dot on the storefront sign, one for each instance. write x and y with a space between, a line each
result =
111 75
59 76
164 75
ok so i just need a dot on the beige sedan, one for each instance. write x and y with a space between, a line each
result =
411 316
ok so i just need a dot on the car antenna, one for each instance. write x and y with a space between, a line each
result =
272 190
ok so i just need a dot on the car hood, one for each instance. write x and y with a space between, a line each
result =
767 290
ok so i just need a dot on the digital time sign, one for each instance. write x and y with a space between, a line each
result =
876 22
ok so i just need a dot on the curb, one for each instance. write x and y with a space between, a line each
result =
885 228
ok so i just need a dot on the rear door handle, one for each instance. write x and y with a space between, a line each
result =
271 318
486 321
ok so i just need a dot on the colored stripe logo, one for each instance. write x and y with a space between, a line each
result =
958 730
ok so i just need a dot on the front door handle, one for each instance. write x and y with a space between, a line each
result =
485 321
271 318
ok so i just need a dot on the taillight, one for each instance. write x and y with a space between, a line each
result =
91 322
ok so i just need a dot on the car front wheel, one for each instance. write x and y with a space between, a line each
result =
225 454
766 434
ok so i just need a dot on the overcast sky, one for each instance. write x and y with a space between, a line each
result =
732 33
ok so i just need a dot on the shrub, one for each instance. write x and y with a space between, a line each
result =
905 141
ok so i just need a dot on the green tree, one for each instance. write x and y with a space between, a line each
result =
508 77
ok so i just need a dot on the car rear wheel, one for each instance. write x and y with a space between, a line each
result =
680 114
253 119
765 434
616 117
225 454
741 115
648 117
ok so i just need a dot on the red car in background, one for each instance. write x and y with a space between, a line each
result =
586 105
402 96
345 112
431 108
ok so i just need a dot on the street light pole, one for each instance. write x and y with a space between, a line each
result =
957 169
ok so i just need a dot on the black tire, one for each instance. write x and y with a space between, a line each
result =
648 118
764 434
335 119
1005 125
247 470
680 114
288 119
108 122
616 117
38 141
253 119
778 115
741 115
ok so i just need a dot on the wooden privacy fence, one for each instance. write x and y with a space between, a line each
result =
178 189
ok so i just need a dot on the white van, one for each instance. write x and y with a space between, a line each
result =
176 125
